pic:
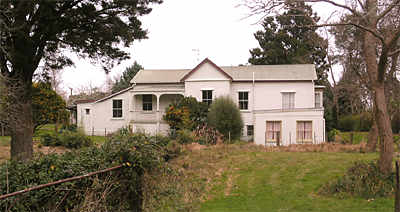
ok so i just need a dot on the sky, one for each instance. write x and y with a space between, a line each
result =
181 33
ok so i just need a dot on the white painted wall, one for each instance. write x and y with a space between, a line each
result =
84 121
289 125
268 95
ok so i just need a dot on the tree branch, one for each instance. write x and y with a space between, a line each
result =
335 4
385 12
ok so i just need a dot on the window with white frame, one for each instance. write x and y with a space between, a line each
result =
147 101
273 131
288 100
117 108
87 111
207 96
304 132
318 100
243 100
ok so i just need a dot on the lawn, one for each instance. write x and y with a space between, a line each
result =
49 128
239 178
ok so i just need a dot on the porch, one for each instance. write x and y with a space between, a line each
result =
148 106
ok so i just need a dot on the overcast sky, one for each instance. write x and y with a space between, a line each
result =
182 32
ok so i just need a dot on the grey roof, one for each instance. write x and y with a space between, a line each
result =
159 76
238 73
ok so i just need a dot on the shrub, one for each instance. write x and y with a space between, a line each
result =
207 135
70 127
73 140
119 190
185 137
363 179
358 122
187 113
332 134
225 116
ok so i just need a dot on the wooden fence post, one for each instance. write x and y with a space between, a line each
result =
397 190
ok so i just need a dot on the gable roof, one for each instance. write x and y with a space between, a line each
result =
114 94
295 72
200 65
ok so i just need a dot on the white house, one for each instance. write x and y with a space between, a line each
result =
280 104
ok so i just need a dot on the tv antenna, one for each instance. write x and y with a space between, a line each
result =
197 52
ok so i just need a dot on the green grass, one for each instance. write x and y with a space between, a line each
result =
98 140
248 178
358 137
287 181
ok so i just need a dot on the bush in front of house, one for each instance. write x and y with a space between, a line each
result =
186 113
68 139
224 115
119 190
363 179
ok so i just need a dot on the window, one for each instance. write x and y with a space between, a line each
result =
273 132
288 100
207 96
87 111
250 130
317 100
147 102
304 131
243 100
117 108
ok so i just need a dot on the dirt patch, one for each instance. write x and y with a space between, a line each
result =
326 147
194 147
5 151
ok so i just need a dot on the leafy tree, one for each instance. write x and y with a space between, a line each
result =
282 42
41 31
127 75
47 106
224 115
380 26
186 113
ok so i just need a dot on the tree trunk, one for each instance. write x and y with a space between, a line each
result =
372 137
376 74
19 109
384 129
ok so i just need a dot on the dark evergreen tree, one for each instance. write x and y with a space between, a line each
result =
39 31
289 39
125 80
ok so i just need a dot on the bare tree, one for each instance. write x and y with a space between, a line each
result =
379 42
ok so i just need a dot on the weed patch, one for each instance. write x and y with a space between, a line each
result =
364 180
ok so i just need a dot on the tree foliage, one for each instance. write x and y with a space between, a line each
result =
42 31
47 106
285 40
127 75
224 115
186 113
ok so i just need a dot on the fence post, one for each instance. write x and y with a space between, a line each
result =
278 138
105 132
2 130
397 190
92 131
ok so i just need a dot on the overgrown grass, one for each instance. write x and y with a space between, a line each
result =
250 178
5 140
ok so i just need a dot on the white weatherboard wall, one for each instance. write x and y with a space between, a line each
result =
268 95
101 116
84 120
207 77
289 125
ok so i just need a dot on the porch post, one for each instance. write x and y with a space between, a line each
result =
158 112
